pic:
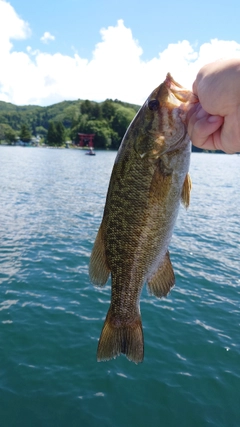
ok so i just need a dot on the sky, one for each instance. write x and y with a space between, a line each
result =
53 50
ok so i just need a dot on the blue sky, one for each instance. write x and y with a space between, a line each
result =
55 50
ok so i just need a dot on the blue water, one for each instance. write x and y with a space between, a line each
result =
51 202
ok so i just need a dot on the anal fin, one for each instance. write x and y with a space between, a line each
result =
163 279
186 190
98 267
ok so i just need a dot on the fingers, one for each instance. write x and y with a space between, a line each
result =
230 133
194 87
203 128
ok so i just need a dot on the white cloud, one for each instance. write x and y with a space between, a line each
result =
11 27
115 70
47 37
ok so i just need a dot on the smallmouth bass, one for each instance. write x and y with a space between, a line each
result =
149 179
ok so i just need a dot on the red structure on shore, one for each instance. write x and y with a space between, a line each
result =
86 139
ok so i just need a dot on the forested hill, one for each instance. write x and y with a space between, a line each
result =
108 120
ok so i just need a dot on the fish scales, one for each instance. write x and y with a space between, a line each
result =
149 178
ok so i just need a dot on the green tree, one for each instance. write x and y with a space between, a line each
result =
86 107
56 134
96 112
51 134
10 135
60 130
41 131
25 134
7 133
108 109
115 140
91 109
121 120
1 132
101 130
78 126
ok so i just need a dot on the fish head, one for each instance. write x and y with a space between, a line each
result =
163 118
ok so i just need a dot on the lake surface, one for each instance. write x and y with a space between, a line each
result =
51 203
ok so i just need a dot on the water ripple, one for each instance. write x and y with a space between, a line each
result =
51 203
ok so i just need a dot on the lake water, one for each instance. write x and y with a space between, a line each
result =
51 203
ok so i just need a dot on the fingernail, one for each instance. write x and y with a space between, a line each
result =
214 119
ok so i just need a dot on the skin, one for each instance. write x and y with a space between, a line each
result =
214 121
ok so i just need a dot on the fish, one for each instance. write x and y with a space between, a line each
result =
149 180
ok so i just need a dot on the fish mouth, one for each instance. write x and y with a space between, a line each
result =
178 93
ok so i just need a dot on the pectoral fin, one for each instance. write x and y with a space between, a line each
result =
186 190
163 280
98 267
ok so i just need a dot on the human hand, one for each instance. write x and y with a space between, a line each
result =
214 122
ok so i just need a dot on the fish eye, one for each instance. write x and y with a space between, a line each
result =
153 105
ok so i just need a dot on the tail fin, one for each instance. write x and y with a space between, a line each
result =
116 338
